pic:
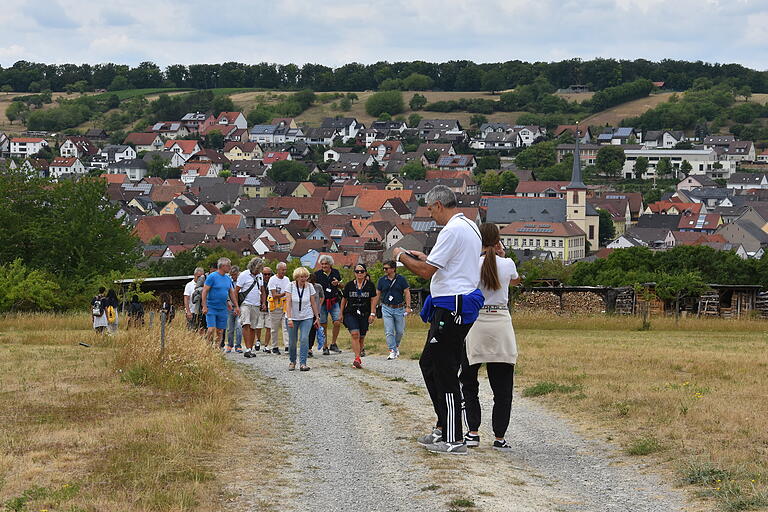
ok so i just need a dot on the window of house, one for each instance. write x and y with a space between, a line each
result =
575 197
514 242
591 231
560 243
538 242
546 243
523 242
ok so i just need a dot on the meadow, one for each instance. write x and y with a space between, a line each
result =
117 426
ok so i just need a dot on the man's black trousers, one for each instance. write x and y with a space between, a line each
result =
440 364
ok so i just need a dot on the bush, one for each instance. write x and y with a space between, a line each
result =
390 102
24 289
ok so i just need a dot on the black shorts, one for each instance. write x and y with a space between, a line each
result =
355 322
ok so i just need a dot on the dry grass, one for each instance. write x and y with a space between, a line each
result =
315 114
614 115
6 98
578 97
692 394
113 426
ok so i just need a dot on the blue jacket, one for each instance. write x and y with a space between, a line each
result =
470 307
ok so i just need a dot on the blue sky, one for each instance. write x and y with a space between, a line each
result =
334 32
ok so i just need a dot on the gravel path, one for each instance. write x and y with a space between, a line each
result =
354 449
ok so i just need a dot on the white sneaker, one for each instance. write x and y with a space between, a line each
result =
397 352
392 355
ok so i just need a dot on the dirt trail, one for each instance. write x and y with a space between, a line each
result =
352 447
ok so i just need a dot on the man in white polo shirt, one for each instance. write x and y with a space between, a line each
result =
251 284
190 307
453 305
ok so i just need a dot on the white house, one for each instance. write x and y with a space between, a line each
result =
185 148
68 165
134 168
747 180
27 146
662 139
346 126
703 162
78 147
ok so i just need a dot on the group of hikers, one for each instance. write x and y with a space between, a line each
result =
250 308
467 310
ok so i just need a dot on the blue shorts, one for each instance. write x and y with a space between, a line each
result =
335 313
217 318
355 322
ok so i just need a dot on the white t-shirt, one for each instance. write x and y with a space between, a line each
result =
280 285
455 255
189 289
507 270
301 306
244 281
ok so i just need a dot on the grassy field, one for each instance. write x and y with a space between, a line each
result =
112 426
692 396
614 115
315 114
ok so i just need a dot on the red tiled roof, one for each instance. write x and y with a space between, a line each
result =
140 138
557 229
373 200
63 161
27 139
434 174
275 156
157 225
537 187
187 146
115 178
302 205
229 221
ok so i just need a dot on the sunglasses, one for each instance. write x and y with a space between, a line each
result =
359 271
387 268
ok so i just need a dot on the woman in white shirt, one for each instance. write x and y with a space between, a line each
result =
302 314
491 340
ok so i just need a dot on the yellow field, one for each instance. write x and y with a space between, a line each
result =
614 115
315 114
692 396
112 426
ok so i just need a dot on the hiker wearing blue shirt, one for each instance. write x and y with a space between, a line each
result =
453 268
395 298
217 289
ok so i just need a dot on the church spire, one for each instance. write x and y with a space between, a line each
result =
576 181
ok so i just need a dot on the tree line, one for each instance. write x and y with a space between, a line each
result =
458 75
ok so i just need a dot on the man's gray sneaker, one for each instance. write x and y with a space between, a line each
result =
431 438
449 448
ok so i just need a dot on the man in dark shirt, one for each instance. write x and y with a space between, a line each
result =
395 298
330 279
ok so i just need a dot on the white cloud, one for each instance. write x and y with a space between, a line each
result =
337 31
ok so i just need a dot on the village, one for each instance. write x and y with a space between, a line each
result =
362 192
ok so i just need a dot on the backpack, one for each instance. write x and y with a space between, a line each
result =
111 314
96 309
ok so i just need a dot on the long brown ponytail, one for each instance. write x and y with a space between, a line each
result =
489 272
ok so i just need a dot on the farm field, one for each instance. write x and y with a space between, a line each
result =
315 114
688 399
111 425
614 115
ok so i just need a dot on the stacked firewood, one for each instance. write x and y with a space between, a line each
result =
573 302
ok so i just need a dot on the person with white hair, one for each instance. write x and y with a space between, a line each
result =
330 279
453 305
217 289
302 314
250 288
278 289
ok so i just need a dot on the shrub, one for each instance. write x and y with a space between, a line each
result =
390 102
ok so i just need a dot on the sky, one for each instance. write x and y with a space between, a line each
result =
335 32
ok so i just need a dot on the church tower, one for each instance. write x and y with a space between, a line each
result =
576 191
576 202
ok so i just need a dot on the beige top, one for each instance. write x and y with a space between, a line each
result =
492 338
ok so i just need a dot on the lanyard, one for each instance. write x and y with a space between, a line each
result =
300 293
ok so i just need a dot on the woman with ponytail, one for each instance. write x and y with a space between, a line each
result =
491 340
